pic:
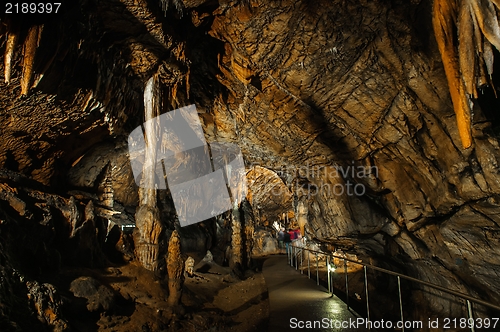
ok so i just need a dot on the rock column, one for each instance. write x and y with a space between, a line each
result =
175 270
148 227
236 239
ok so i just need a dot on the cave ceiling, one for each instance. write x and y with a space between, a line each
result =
323 94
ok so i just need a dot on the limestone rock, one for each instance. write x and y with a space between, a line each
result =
99 297
175 269
47 303
189 266
265 243
299 86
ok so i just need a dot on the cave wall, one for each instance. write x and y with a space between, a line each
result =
361 85
299 86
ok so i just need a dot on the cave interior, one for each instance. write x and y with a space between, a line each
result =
371 126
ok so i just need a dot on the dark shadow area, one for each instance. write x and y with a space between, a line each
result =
489 97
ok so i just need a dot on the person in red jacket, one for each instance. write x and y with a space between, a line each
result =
298 235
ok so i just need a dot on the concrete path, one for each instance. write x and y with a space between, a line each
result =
298 304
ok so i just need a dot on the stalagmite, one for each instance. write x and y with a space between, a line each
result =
488 57
189 266
249 231
148 227
236 240
249 235
30 46
175 269
12 38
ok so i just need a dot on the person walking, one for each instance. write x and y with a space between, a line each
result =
281 238
287 239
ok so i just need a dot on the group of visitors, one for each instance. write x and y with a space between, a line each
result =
285 238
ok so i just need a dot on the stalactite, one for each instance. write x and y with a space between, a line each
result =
12 39
30 46
487 19
468 64
47 65
444 18
165 4
173 95
466 48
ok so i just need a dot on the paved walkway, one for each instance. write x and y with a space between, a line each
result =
298 304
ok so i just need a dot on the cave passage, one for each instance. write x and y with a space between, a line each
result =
369 127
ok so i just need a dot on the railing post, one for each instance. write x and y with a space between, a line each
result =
328 269
293 251
346 284
331 282
308 264
366 292
301 260
401 304
471 315
295 258
317 269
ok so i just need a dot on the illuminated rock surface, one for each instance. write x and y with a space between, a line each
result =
322 98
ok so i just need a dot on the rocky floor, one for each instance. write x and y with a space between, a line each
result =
129 298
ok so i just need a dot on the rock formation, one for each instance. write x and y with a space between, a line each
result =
236 260
350 115
175 269
148 228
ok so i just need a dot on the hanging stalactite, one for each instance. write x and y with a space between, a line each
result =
29 52
12 40
468 63
166 4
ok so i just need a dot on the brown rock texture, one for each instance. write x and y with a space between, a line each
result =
236 260
175 269
342 110
354 95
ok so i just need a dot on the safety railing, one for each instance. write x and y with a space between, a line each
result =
293 253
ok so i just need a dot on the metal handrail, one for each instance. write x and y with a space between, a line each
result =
400 276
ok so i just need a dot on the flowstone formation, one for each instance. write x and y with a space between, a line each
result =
360 122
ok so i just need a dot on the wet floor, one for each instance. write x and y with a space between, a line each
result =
297 303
